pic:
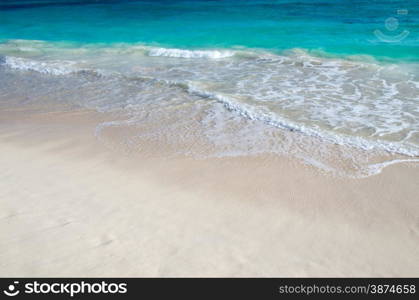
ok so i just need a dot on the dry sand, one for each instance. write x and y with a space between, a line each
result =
71 207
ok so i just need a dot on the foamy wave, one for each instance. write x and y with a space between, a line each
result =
53 68
56 68
360 104
249 111
260 114
377 168
181 53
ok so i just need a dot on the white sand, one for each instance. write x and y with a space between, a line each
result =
69 207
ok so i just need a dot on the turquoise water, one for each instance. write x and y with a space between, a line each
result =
334 83
334 26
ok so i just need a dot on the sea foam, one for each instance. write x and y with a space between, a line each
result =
363 105
51 67
181 53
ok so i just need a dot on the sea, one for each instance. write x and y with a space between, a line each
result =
332 83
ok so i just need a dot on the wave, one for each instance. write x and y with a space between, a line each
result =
28 46
181 53
55 68
259 86
249 111
254 113
51 67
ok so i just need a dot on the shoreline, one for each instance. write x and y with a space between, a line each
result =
343 124
71 207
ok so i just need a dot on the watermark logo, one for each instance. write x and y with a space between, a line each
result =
67 288
12 290
392 25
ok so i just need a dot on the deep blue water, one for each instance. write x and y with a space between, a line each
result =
382 28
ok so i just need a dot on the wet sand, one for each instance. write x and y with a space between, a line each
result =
71 206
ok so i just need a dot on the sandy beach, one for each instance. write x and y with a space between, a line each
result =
71 206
